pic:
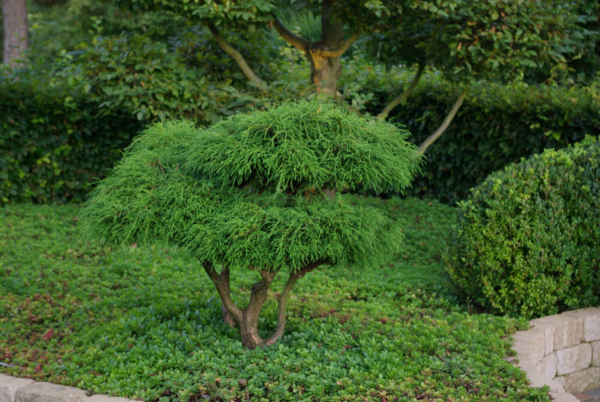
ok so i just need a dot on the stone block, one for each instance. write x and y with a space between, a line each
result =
9 386
46 392
568 329
568 332
573 359
548 329
581 381
595 354
106 398
563 397
547 366
537 379
591 322
530 345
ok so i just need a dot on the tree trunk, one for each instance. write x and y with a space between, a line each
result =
323 56
247 319
249 322
227 318
325 71
16 35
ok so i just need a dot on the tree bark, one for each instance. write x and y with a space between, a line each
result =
251 339
324 55
227 318
402 97
247 319
16 34
326 70
446 121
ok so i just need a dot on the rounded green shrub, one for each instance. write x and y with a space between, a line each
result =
528 238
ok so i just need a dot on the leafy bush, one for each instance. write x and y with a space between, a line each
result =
527 242
53 142
144 323
497 125
134 73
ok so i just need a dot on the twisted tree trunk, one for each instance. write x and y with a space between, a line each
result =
16 34
247 319
324 55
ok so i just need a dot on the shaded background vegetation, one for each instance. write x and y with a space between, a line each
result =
92 65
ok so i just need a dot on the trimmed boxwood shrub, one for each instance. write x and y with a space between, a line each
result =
53 142
527 241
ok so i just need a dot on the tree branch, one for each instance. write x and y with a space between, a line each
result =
237 56
216 279
283 298
227 318
404 95
259 294
341 49
446 121
291 38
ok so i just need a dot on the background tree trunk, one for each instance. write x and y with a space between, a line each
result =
16 35
325 71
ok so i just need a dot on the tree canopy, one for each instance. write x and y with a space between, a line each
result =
258 191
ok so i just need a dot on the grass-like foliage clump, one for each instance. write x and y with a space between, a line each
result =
527 242
261 192
144 323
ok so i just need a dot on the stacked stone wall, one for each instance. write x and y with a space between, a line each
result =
564 349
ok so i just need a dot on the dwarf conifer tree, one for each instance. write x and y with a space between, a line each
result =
259 191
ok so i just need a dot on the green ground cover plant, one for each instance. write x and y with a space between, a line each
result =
527 241
146 323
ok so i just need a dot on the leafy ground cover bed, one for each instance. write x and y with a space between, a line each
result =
145 322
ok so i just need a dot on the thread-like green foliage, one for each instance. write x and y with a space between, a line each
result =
246 192
305 145
527 242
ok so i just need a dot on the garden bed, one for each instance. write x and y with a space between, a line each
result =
145 323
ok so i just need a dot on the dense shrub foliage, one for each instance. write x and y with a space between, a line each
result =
527 242
247 191
497 125
131 72
53 142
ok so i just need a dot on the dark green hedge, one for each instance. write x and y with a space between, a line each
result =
52 143
497 125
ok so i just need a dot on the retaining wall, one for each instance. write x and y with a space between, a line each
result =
562 351
23 390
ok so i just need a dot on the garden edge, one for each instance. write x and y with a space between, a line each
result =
552 352
13 389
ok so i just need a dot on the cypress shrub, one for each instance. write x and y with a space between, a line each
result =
527 242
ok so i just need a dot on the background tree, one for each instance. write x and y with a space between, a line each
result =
248 15
258 192
16 31
476 40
